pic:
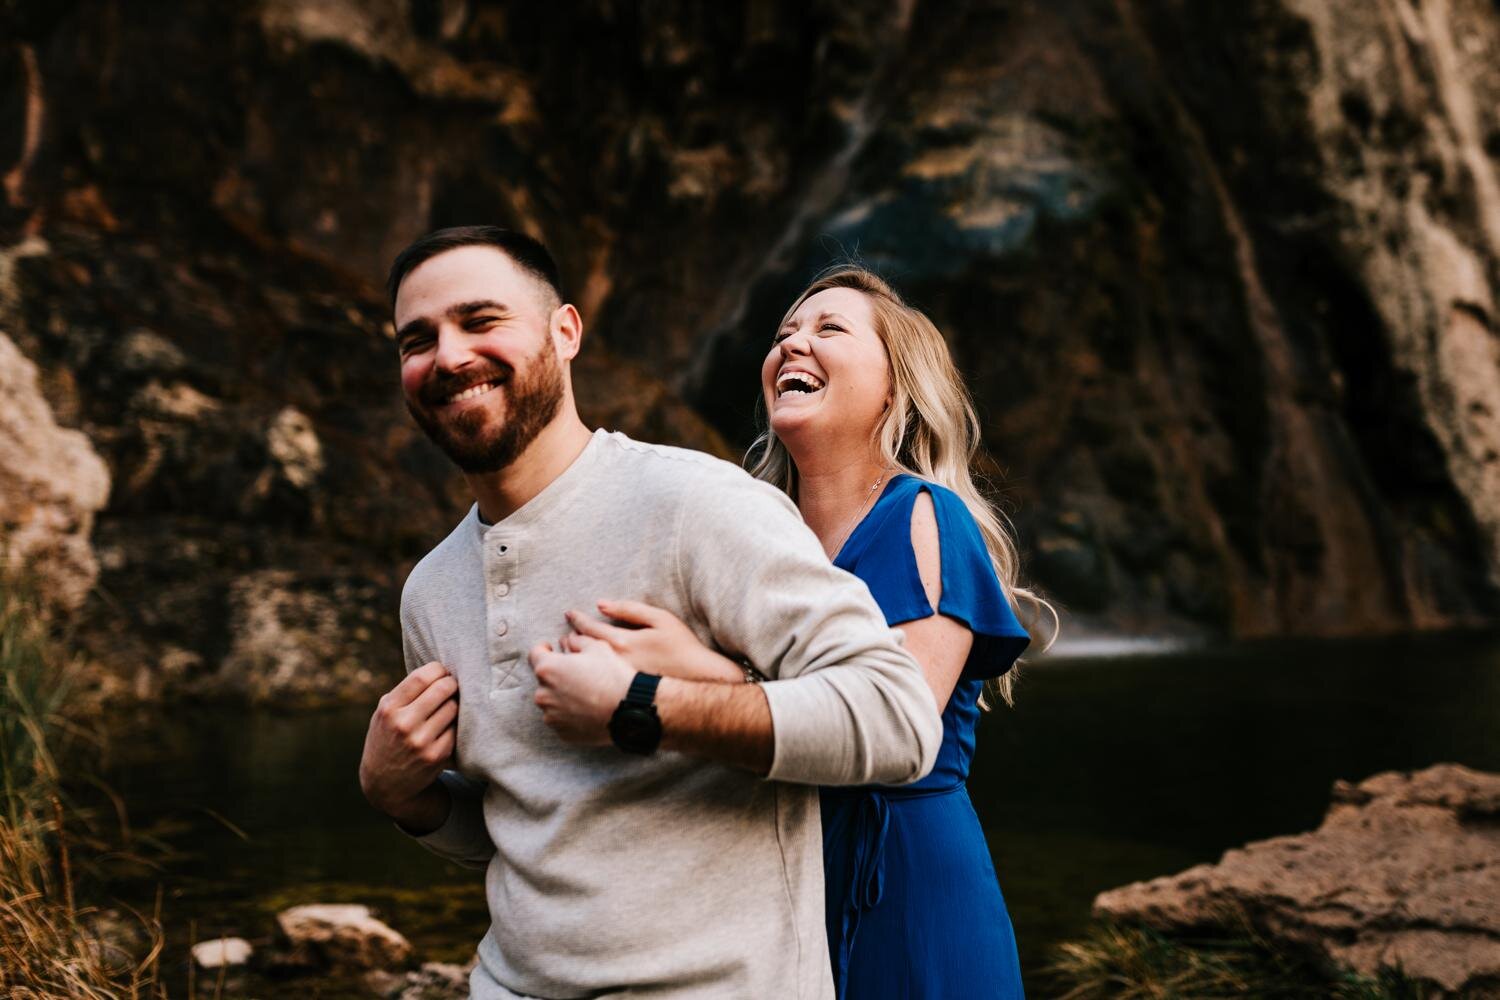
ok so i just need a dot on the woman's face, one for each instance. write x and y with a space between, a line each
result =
827 371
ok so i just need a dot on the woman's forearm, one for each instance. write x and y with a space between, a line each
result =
715 666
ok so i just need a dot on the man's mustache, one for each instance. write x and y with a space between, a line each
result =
440 385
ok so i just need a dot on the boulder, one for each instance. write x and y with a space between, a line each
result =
219 952
51 484
341 936
1404 872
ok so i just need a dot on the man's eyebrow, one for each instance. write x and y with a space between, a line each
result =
478 305
412 328
423 325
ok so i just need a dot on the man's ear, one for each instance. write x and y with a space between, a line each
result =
567 331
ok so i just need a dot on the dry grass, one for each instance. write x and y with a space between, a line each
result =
1128 963
50 947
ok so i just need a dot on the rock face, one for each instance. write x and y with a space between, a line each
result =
51 485
1404 871
341 937
1222 277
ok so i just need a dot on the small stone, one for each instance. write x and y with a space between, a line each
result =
230 951
343 936
433 981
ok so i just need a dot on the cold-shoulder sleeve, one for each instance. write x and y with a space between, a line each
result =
972 592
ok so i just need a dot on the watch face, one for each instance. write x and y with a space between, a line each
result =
637 730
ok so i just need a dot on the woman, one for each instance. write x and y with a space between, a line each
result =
870 430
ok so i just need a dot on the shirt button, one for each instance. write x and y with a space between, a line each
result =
502 628
501 589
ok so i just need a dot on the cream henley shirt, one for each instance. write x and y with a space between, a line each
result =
664 876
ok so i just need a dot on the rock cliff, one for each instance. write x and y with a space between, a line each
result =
51 485
1222 277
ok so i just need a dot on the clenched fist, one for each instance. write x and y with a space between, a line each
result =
411 738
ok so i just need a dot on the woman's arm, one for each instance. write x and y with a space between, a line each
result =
654 641
939 644
657 642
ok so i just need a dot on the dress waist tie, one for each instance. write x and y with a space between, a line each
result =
871 828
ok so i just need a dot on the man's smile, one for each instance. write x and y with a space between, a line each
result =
472 392
442 391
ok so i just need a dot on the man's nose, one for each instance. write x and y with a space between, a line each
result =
453 351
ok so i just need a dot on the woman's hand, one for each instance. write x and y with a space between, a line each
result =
653 641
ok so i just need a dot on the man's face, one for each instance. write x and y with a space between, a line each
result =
479 365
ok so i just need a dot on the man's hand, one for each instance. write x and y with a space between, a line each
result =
579 687
411 737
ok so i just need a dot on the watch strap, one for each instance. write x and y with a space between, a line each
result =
642 691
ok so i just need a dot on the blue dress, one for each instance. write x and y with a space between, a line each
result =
913 906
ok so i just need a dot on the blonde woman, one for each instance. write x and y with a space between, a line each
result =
871 431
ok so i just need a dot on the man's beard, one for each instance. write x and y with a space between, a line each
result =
531 401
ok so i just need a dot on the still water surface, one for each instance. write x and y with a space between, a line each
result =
1109 770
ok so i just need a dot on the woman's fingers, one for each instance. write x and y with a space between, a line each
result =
632 612
595 629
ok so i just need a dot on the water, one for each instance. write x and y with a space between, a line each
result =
1109 770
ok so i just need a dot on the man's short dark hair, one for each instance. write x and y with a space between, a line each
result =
529 254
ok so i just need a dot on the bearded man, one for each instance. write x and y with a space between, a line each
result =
642 836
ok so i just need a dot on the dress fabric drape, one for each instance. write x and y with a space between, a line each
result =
913 905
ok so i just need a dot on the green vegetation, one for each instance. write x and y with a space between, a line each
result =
50 946
1128 963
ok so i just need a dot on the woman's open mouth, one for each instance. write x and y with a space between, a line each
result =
798 383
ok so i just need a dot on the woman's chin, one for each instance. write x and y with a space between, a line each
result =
794 418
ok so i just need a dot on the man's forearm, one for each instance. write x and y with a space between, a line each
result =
727 723
425 813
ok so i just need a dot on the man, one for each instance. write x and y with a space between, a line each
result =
662 865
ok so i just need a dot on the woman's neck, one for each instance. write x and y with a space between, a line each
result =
834 493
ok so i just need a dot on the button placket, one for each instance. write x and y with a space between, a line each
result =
500 565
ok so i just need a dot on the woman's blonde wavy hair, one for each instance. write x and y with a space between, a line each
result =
930 431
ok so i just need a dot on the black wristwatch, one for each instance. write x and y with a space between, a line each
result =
635 727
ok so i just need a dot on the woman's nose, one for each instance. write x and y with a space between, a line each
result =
792 344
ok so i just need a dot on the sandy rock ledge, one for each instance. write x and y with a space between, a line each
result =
1404 871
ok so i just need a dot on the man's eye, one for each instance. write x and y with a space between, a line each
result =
411 345
479 322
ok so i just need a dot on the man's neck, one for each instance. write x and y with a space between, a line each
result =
834 490
501 494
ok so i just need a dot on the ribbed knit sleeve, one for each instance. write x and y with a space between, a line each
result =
848 704
463 838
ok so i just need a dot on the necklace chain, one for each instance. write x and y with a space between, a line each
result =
857 515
